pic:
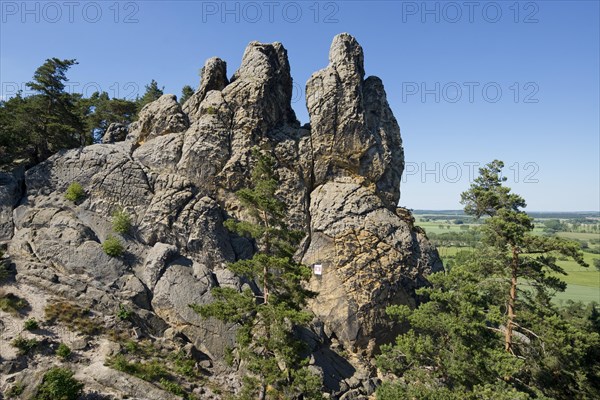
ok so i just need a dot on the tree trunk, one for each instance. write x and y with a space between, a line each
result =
511 300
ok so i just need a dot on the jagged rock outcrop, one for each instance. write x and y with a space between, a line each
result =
158 118
369 257
353 130
115 132
176 175
214 77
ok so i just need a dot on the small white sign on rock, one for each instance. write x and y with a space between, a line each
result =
318 269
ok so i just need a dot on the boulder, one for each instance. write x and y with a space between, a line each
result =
115 132
158 118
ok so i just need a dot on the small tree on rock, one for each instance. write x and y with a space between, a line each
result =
265 338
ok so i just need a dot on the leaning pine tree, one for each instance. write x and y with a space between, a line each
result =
266 343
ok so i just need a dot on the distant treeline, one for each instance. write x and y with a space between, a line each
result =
449 214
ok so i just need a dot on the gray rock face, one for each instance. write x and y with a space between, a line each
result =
370 257
10 193
158 118
353 130
176 175
214 77
115 133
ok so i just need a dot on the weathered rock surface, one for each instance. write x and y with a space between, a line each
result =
353 130
176 175
214 77
369 255
11 191
158 118
115 133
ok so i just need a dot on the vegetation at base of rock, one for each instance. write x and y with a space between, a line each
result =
152 371
63 351
113 247
171 371
265 338
487 328
121 221
12 303
25 346
73 317
75 192
15 390
124 313
58 383
31 325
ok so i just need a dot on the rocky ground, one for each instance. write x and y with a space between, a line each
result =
174 172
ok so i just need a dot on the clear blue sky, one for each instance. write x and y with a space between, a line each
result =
442 64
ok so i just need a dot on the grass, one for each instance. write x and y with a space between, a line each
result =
170 370
72 316
15 390
583 284
579 235
12 303
585 294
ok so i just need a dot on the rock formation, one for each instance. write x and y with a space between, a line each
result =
176 174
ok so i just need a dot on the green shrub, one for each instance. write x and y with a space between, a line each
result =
112 246
25 346
31 324
75 192
121 222
63 351
152 371
15 390
124 313
184 365
58 383
211 110
172 387
11 303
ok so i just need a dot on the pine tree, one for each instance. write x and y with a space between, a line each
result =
186 92
105 111
487 328
53 120
266 320
152 93
509 228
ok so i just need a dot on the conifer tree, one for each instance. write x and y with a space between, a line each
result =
266 321
152 93
509 228
487 328
186 92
